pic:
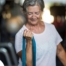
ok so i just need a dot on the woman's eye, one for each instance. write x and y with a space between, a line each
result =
37 13
29 13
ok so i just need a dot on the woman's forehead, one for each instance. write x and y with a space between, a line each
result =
33 8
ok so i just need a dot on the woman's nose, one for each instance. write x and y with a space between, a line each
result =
33 15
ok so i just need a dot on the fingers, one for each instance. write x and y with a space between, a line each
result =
27 34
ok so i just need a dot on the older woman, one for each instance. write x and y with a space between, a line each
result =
46 37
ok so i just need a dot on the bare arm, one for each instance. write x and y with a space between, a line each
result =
29 53
61 54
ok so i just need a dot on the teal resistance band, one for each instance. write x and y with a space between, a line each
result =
33 52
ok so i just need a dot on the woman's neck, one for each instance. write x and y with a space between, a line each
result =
38 28
32 26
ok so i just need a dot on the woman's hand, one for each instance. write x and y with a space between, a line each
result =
28 35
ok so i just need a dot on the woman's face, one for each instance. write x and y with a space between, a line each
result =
34 14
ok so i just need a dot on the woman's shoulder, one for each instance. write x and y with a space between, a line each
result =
20 31
49 25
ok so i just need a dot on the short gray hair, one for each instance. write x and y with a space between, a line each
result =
32 3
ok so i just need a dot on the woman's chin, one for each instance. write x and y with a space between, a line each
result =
34 23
